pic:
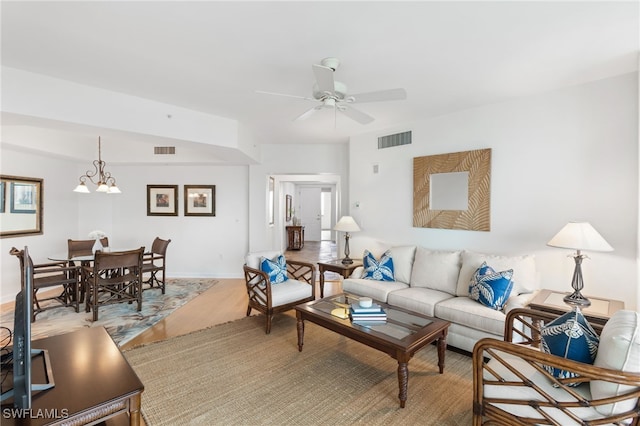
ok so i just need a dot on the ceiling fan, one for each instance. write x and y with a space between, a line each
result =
328 93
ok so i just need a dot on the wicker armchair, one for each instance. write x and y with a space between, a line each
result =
269 298
512 387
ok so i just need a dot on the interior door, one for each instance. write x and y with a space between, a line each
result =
310 212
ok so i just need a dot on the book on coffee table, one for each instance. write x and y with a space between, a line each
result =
355 307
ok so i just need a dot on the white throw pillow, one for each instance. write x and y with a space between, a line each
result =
402 262
619 350
437 270
524 271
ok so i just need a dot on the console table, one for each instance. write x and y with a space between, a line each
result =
295 237
94 383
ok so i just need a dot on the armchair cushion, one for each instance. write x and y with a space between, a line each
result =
276 269
569 336
290 291
378 270
491 288
619 350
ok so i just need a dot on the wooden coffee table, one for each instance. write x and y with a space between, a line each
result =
404 333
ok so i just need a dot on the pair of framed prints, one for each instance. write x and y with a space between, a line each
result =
199 200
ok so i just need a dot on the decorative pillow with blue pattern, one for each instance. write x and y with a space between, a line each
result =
276 269
379 270
569 336
491 288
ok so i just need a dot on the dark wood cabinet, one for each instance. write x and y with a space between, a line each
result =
295 237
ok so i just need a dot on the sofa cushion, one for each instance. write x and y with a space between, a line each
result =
377 290
619 350
524 270
378 270
569 336
489 287
253 260
467 312
403 258
420 300
276 269
437 270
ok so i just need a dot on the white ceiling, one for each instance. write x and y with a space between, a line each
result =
213 56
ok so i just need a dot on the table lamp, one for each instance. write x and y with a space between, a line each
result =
579 236
346 224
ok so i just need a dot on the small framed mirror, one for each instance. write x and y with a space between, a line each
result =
20 206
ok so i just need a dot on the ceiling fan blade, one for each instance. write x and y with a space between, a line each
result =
357 115
382 95
283 94
324 78
307 113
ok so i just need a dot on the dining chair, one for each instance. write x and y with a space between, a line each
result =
77 248
116 277
49 275
153 263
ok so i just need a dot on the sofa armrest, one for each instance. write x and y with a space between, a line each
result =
519 301
357 273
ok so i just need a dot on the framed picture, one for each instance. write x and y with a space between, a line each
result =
288 207
162 200
199 200
24 197
23 214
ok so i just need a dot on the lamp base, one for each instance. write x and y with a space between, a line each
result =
347 261
577 300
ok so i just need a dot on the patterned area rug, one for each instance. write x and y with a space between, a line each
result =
121 320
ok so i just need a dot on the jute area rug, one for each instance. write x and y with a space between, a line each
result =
235 374
122 321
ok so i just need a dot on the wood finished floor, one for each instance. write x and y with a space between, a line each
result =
227 300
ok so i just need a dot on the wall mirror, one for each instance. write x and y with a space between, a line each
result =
20 206
452 191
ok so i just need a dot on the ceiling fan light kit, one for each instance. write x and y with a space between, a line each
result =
332 94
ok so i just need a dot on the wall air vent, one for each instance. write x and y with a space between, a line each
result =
164 150
394 140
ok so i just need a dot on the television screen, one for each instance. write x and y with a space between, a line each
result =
22 352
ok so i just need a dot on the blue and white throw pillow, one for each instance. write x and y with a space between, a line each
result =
276 269
569 336
381 270
491 288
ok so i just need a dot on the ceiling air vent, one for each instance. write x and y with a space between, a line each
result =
394 140
164 150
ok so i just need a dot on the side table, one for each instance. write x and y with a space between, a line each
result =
598 313
335 266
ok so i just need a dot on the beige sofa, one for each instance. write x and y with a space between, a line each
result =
436 283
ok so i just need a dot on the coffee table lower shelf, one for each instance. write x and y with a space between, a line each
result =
423 331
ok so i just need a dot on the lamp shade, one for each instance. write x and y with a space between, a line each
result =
579 236
346 224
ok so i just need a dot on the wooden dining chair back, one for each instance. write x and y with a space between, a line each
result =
49 275
77 248
116 278
84 247
153 263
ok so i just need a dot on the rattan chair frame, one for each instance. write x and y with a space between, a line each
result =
524 325
259 289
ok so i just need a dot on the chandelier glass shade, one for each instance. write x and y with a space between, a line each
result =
98 176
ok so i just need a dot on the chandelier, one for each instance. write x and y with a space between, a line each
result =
104 180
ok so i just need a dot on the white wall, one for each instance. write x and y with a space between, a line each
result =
200 246
570 154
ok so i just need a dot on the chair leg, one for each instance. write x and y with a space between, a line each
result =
268 323
248 310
